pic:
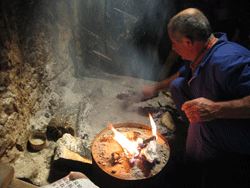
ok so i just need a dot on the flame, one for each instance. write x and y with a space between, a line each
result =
131 147
153 125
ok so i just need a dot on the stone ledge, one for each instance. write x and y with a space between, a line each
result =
16 183
73 148
7 179
6 175
67 154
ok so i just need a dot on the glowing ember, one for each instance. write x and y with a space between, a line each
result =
131 147
153 126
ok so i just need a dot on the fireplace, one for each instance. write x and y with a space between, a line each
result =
62 66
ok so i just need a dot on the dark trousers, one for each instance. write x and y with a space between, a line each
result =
180 94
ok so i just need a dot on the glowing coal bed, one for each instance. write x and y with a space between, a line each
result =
112 158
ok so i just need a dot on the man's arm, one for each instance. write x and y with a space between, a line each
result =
151 91
165 84
202 109
235 109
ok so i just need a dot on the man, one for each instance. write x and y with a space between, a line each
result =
212 90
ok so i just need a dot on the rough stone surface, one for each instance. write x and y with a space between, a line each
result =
45 86
73 144
167 120
35 166
31 57
63 152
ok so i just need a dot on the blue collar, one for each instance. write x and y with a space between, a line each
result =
222 40
221 37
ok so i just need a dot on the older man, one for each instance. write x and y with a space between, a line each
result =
212 90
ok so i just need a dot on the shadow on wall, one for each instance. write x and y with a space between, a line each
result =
124 37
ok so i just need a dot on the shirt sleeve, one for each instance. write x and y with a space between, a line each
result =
234 75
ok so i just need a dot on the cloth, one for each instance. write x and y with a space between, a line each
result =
222 75
211 41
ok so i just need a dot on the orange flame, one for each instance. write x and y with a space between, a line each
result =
131 147
153 126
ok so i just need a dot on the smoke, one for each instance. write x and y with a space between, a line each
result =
151 42
125 37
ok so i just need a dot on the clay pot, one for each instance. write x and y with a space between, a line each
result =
38 141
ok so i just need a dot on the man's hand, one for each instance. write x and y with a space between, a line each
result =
148 92
200 109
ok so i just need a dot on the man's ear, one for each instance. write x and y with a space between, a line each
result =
187 41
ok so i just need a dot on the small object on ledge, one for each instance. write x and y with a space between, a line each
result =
37 141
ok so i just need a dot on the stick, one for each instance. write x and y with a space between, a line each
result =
145 142
149 139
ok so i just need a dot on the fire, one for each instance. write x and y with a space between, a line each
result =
153 126
131 147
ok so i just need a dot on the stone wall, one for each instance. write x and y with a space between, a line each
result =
45 44
35 42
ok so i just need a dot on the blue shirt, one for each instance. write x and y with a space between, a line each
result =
223 75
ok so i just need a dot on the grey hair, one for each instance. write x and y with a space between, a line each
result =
195 26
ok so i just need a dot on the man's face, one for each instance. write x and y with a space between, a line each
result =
181 47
